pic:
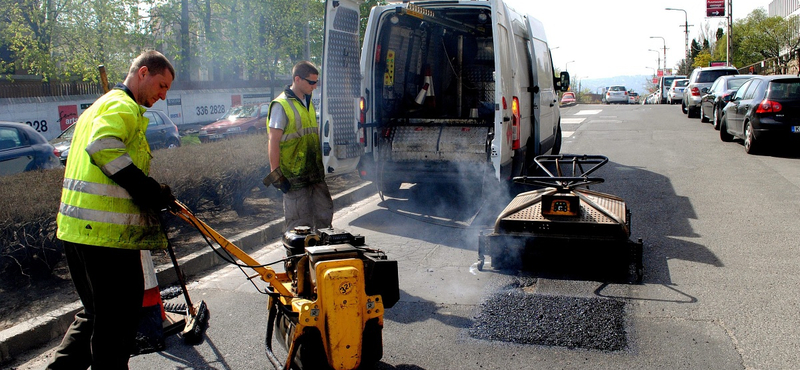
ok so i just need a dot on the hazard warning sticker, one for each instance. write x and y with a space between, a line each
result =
388 75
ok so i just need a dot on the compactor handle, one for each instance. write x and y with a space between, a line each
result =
267 274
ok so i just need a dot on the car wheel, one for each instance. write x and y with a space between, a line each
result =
703 117
717 115
683 108
750 145
173 143
724 135
691 113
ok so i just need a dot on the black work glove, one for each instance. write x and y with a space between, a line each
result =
276 179
146 192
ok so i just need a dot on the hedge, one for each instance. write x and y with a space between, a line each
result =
212 177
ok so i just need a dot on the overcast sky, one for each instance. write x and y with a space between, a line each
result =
612 37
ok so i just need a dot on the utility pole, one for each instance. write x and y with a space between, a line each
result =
686 30
730 30
665 51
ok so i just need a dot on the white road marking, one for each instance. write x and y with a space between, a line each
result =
567 133
572 120
588 111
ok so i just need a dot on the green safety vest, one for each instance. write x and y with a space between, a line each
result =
301 156
94 210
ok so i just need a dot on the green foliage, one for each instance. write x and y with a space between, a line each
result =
703 59
228 39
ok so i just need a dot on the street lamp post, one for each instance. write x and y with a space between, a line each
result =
566 66
686 31
665 51
658 59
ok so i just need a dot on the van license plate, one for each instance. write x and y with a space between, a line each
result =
795 129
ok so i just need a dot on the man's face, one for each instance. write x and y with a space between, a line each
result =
152 88
305 84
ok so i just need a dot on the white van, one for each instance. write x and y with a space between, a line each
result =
664 83
440 90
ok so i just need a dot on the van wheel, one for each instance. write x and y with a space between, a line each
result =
557 145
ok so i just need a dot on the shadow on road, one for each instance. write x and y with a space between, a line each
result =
453 215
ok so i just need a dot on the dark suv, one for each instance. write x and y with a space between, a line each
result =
699 82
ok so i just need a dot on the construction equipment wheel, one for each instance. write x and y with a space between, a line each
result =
310 353
635 265
371 345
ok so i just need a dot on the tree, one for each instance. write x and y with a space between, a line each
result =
772 37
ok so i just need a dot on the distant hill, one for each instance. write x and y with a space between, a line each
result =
638 83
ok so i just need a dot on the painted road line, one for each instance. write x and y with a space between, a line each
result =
572 120
567 133
588 111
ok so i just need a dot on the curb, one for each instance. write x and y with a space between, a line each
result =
39 331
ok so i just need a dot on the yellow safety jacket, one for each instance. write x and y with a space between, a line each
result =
301 156
94 210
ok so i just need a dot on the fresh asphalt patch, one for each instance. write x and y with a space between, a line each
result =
516 316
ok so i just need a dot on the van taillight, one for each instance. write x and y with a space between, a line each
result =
505 106
362 109
768 106
515 118
362 118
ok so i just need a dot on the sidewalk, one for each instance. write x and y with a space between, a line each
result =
37 332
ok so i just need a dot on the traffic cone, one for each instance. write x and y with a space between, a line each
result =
422 94
150 337
431 96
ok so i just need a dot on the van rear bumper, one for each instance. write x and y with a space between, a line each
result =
434 172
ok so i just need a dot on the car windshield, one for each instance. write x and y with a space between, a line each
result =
784 89
617 88
241 112
681 83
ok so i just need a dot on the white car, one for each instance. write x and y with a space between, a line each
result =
616 94
675 94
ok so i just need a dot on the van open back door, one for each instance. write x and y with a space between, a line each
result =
342 142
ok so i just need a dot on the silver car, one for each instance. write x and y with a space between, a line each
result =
616 94
701 78
675 94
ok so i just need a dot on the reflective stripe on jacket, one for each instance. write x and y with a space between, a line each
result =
301 156
94 210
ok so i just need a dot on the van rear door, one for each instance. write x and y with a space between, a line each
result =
546 100
342 145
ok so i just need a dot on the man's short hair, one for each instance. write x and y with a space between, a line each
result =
155 62
304 69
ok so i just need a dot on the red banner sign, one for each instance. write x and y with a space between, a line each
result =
67 115
715 8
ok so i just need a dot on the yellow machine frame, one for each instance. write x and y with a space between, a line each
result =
340 311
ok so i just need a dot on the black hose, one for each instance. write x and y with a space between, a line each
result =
270 331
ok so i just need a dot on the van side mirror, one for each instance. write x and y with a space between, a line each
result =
563 82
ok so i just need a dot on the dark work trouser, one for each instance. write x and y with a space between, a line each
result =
309 206
110 284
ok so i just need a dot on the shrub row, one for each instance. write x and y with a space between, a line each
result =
212 177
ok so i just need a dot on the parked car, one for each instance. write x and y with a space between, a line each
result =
239 120
701 78
24 149
764 110
161 133
603 95
633 97
616 94
675 94
568 99
718 95
664 84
